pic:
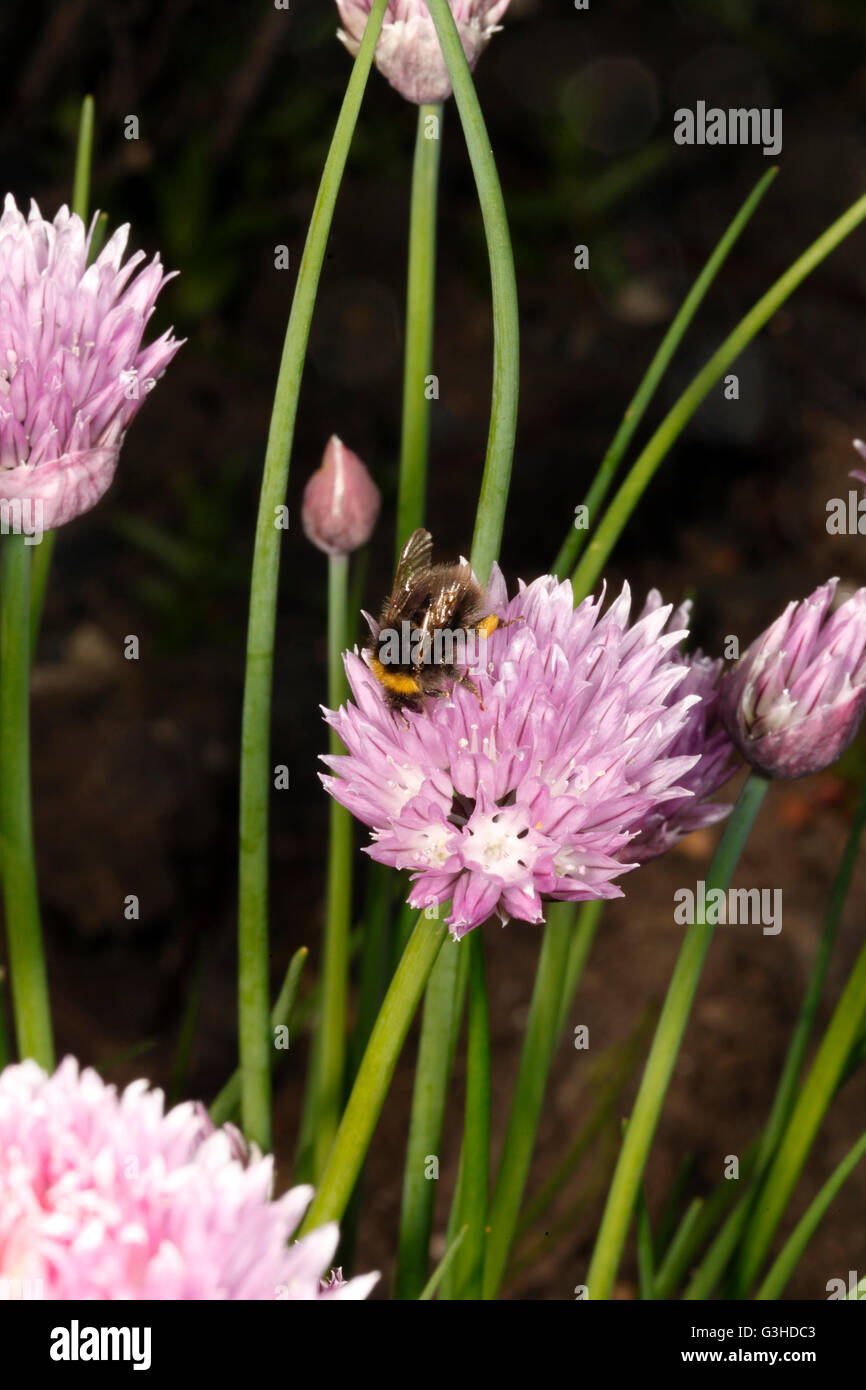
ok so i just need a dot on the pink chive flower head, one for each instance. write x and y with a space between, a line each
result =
702 736
341 502
408 52
73 372
794 700
540 793
108 1196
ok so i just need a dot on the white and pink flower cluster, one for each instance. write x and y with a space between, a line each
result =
108 1196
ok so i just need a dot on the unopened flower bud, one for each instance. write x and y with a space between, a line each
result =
794 701
341 502
408 52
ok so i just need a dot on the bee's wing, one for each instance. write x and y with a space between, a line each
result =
414 557
445 601
414 560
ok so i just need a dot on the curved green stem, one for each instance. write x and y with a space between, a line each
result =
17 856
539 1043
448 1287
440 1024
490 516
665 1050
582 938
331 1054
375 1073
417 363
253 1006
226 1102
442 1268
786 1262
469 1265
609 529
573 543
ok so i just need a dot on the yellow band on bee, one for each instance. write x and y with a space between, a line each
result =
394 680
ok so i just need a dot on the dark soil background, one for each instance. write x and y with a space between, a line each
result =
136 762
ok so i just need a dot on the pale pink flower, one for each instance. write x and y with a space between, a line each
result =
108 1196
408 52
73 372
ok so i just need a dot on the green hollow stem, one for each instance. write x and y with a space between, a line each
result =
41 563
805 1119
670 1270
722 1245
531 1084
188 1025
672 1208
665 1050
327 1051
618 1067
788 1258
253 1005
83 159
440 1025
418 354
373 972
490 516
573 544
469 1265
17 856
448 1289
375 1072
226 1103
442 1268
582 938
631 490
542 1031
372 982
6 1055
41 567
331 1052
645 1255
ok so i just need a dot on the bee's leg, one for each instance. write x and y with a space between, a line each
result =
470 685
491 623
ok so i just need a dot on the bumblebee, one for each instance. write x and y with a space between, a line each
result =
426 623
